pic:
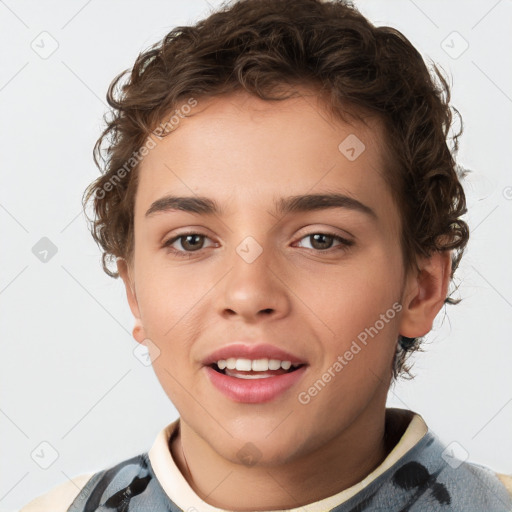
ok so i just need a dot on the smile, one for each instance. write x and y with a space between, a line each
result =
254 385
242 365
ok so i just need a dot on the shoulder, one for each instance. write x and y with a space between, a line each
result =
432 472
60 497
81 490
118 483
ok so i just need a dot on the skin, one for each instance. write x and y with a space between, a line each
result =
243 152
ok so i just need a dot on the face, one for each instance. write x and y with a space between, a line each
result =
312 280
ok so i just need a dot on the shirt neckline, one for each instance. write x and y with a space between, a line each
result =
179 491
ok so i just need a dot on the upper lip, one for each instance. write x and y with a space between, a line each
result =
241 350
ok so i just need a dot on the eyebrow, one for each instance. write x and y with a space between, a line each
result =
282 206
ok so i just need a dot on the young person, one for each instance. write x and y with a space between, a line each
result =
285 213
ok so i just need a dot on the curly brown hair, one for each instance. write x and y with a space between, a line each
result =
268 47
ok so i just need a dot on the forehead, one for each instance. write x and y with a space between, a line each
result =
244 151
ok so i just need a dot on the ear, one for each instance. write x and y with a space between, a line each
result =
424 294
125 274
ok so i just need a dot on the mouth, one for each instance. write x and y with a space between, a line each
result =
255 386
241 368
250 373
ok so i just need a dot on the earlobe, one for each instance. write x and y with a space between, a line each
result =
138 331
425 293
124 272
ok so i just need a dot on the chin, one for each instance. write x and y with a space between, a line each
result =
258 449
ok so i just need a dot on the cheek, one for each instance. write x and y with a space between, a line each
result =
351 297
358 305
169 301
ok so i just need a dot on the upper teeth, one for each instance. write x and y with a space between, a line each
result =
256 365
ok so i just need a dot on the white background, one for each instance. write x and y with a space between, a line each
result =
68 373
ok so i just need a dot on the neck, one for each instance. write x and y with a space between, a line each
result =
331 468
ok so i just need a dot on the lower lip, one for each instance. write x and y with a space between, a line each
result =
254 391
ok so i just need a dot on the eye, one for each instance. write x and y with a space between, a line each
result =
194 242
190 243
322 242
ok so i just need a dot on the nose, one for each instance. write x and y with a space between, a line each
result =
255 290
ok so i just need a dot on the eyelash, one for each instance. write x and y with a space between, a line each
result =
345 244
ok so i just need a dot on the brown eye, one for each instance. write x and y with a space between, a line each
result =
189 242
324 242
321 241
